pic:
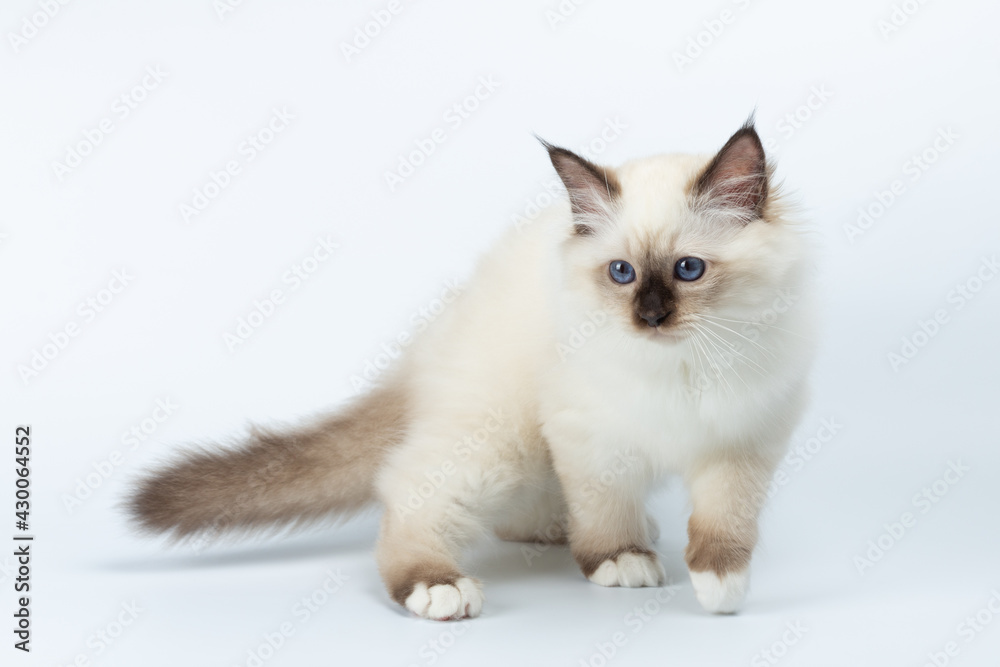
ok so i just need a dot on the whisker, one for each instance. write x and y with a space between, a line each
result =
715 366
752 342
728 364
700 366
732 348
702 354
756 324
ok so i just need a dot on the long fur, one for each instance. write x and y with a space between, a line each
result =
542 406
277 477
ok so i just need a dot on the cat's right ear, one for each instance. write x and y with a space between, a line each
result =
592 189
736 179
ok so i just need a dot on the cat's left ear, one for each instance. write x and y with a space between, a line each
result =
592 189
737 177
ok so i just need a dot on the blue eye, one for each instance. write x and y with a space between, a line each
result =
621 272
689 268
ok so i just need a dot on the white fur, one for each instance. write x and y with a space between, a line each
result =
445 602
721 595
630 571
500 406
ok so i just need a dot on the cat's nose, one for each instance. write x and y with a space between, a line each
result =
655 319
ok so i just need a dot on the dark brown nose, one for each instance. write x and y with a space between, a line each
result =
654 301
655 318
655 305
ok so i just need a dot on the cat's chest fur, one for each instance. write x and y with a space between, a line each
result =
663 404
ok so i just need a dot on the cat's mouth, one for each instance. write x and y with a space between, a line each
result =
672 333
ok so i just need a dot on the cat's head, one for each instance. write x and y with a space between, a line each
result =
661 244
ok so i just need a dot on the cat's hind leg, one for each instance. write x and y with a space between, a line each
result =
537 512
421 572
434 509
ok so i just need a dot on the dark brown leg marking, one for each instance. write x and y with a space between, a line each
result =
718 551
432 575
589 562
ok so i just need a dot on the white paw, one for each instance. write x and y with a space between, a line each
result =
631 570
721 595
447 602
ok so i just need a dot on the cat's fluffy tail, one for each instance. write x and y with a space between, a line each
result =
276 477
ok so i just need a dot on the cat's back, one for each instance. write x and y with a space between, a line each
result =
491 341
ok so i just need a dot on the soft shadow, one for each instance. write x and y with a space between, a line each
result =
227 553
501 561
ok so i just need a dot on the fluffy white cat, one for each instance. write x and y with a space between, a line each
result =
658 322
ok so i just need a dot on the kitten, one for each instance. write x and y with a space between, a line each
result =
624 335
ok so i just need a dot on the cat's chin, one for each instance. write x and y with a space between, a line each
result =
671 335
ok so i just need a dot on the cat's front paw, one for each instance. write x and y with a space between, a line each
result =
631 569
721 594
447 602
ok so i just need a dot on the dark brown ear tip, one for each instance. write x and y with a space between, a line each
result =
559 154
550 147
749 133
747 130
739 173
747 138
591 188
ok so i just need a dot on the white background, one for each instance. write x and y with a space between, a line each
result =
886 99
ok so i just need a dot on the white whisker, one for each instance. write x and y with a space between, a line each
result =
756 324
752 342
735 351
